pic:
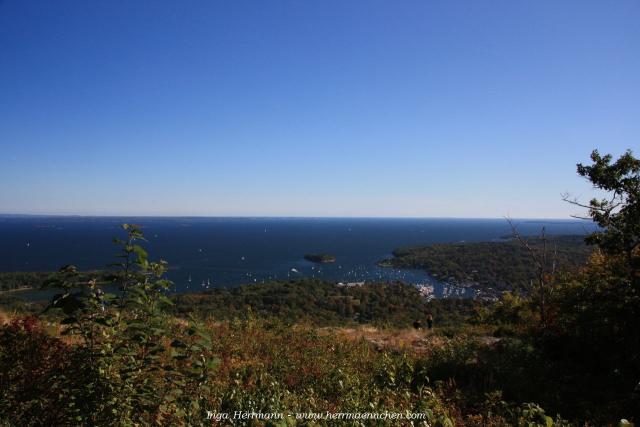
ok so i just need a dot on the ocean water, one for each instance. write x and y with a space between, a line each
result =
212 252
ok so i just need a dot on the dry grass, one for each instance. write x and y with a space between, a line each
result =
418 342
5 317
409 339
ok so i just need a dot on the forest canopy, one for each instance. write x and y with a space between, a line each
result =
490 267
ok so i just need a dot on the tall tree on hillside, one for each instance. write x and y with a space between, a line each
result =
618 214
597 310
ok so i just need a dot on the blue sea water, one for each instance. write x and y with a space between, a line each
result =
214 252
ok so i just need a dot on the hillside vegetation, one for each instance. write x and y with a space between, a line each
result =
323 303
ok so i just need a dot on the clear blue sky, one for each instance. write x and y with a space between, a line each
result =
312 108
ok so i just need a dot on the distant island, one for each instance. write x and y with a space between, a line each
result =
320 258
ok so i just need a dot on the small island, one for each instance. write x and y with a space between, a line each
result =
320 258
385 263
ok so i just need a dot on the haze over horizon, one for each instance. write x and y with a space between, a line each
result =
301 217
312 109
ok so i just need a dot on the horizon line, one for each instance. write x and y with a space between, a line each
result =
3 214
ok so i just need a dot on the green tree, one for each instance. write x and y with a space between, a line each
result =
597 310
618 214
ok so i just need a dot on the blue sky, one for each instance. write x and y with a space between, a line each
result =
312 108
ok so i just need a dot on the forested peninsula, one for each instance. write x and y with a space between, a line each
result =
492 267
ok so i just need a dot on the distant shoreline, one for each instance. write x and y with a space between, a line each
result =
182 217
26 288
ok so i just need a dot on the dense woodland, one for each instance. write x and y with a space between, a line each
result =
310 301
571 344
15 280
324 304
497 266
22 279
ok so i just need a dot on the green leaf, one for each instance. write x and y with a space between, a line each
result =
165 299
